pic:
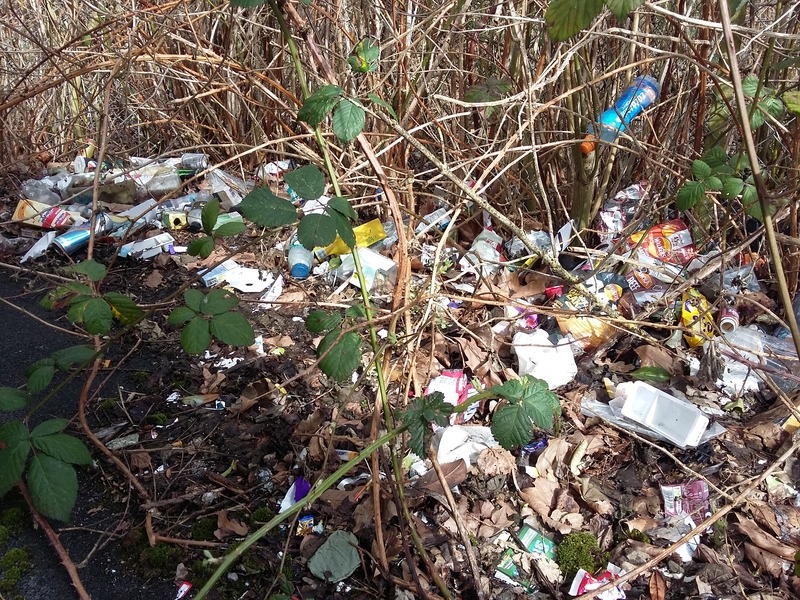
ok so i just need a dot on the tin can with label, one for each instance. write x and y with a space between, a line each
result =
78 237
194 161
728 319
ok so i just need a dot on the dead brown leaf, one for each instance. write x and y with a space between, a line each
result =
766 561
279 341
475 357
593 496
154 279
658 586
654 356
140 462
211 382
227 527
764 516
540 497
309 425
454 474
764 540
551 462
496 461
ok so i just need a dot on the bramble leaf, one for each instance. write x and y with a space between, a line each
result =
40 374
690 194
264 208
15 436
318 105
622 8
91 268
209 214
308 182
181 315
381 102
49 427
63 447
732 187
123 308
217 302
229 229
193 298
700 170
316 230
565 18
13 399
318 321
343 358
233 329
53 485
196 336
348 120
420 414
67 357
202 246
530 402
651 374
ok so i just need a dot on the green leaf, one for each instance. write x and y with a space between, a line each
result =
247 3
233 329
181 315
690 194
123 308
512 425
229 229
565 18
13 399
792 99
622 8
732 187
651 374
750 85
67 357
757 118
420 414
344 228
344 357
65 448
700 170
12 458
318 321
195 337
264 208
40 374
308 182
91 268
713 183
75 312
342 206
530 402
381 102
217 302
209 214
348 120
355 312
366 55
715 158
53 486
202 246
97 316
49 427
317 106
193 299
316 230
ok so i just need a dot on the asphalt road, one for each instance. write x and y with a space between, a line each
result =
24 341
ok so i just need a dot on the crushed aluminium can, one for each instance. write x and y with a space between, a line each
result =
78 237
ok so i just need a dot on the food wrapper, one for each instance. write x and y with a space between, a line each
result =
687 499
586 582
366 234
668 243
617 212
696 316
39 214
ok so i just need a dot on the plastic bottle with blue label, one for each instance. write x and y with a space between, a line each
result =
300 259
639 95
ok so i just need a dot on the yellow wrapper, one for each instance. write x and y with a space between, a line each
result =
366 235
695 315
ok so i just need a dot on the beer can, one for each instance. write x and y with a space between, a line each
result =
194 161
78 237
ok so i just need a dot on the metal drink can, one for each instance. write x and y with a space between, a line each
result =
78 237
728 319
194 161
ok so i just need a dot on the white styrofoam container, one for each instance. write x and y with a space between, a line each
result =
676 420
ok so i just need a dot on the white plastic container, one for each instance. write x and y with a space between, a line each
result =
675 420
300 259
538 357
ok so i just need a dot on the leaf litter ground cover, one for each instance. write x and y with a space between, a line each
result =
222 440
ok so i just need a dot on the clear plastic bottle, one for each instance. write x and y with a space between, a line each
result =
33 189
767 349
300 259
639 95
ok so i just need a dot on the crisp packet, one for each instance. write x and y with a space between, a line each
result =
668 243
586 582
617 212
687 499
456 388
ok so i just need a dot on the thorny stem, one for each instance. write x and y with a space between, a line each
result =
761 189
